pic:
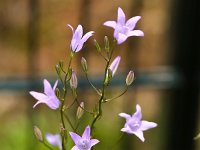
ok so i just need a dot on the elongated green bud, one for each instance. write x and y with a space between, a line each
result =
130 78
97 46
84 64
108 76
73 81
38 134
80 110
107 44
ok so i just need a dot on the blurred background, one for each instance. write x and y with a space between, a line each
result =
34 37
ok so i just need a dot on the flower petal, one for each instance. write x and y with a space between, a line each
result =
132 22
53 102
79 32
39 96
87 36
94 142
86 133
47 87
75 148
127 130
114 65
147 125
71 28
138 114
75 137
121 17
111 24
136 33
121 38
76 39
54 140
55 85
140 135
124 115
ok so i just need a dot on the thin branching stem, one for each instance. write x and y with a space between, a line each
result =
104 85
110 99
45 144
69 121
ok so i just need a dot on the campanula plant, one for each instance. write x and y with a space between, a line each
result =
56 98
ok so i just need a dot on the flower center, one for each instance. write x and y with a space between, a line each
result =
84 144
134 124
123 29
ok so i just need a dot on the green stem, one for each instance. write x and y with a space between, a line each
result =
99 112
110 99
69 121
92 84
45 144
63 100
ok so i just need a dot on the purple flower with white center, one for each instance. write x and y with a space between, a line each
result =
114 65
48 97
78 39
54 139
123 29
134 125
84 142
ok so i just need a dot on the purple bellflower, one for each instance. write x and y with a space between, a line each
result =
114 65
78 39
134 125
48 97
123 29
84 142
54 139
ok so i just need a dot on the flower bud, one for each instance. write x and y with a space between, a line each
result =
130 78
84 64
38 134
114 65
107 45
80 110
73 80
108 76
97 46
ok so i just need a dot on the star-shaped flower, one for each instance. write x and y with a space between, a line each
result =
134 125
78 39
123 29
84 142
48 97
54 139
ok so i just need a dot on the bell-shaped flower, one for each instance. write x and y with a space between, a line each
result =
48 97
83 142
54 139
114 65
122 28
134 124
78 39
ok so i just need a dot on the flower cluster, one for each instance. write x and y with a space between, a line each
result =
55 98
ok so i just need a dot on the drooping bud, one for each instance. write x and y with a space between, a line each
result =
97 46
80 110
73 81
38 134
114 65
107 44
130 78
84 64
